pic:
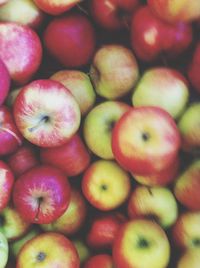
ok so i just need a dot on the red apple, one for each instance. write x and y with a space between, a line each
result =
75 40
145 140
72 157
194 68
10 137
101 260
4 82
20 50
42 194
151 37
46 113
6 184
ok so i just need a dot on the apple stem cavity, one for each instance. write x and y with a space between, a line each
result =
44 119
39 200
145 136
104 187
41 256
143 243
196 242
12 134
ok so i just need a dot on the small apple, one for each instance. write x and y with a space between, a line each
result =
194 68
82 249
189 259
20 50
100 260
48 250
46 113
42 194
3 250
156 202
105 185
4 82
145 140
114 71
98 126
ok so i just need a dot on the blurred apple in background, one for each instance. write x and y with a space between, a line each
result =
189 259
194 68
82 249
4 82
12 95
4 249
101 260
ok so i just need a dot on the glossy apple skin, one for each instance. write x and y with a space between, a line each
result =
24 60
113 14
10 136
75 40
55 7
103 230
145 140
187 187
72 157
151 37
194 68
127 251
6 184
42 194
4 82
53 247
42 120
101 260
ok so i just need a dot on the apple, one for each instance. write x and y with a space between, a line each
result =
42 194
145 140
79 84
4 82
186 232
98 126
103 230
20 50
6 184
105 185
156 202
48 250
189 128
100 260
114 71
75 40
82 249
12 12
3 250
23 159
56 7
12 225
46 113
152 37
72 219
12 95
189 259
162 87
194 67
187 186
72 157
113 14
10 136
176 10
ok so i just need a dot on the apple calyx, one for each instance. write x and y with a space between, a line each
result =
43 120
196 242
104 187
41 256
143 243
11 133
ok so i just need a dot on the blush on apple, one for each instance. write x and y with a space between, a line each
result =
100 260
4 82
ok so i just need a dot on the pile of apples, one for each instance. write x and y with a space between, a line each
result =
99 133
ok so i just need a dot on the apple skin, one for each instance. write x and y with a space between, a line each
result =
176 10
98 126
12 225
42 194
102 185
6 184
24 60
142 145
162 87
4 82
113 14
194 68
100 260
189 259
141 243
79 84
43 121
55 7
72 157
187 187
75 37
12 12
3 250
189 128
72 219
151 37
48 250
158 202
103 229
82 249
186 232
106 72
10 136
10 100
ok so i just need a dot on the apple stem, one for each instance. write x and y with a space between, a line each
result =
12 134
44 119
38 209
150 191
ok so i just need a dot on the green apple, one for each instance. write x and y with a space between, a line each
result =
3 250
79 85
82 249
98 125
114 71
190 259
162 87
